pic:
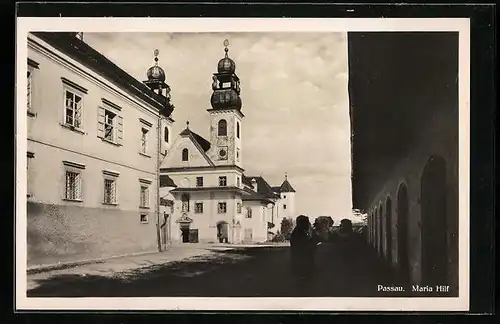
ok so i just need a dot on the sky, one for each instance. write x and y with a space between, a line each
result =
294 89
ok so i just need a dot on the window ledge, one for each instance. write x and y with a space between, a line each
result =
31 113
110 204
73 200
74 129
110 142
144 207
145 155
146 222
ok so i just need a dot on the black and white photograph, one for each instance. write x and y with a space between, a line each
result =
276 164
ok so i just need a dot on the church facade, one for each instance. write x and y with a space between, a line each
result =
208 197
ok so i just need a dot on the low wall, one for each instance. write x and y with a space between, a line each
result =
58 233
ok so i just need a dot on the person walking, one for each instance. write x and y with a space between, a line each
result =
303 244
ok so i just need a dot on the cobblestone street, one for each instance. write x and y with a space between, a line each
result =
343 269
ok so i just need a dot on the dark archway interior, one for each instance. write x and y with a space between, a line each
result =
402 226
381 231
434 229
388 229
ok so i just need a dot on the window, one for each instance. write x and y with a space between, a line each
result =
29 174
222 181
109 123
165 134
222 208
73 185
237 154
30 88
109 191
32 66
185 203
199 181
238 182
222 127
198 208
185 154
238 208
144 196
144 218
73 109
144 140
284 206
109 126
238 130
249 212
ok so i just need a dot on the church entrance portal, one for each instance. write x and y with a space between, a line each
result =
185 233
223 232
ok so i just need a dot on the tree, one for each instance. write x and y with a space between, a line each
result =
286 227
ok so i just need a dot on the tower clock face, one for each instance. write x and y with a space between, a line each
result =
222 152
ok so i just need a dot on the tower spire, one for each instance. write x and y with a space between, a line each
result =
226 84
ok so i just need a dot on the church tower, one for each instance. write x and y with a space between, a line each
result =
226 116
156 82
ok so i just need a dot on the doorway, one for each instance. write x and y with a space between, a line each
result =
223 232
434 227
185 233
388 229
402 211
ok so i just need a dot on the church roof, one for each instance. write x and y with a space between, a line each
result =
205 145
166 181
286 187
263 188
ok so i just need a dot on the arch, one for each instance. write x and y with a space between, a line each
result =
402 211
238 129
381 229
434 225
222 127
375 229
165 134
185 154
388 228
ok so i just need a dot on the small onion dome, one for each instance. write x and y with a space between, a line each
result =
225 98
156 73
226 65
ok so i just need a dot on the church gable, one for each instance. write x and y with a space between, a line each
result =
186 152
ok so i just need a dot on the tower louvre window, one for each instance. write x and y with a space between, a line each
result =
185 154
238 130
166 134
222 127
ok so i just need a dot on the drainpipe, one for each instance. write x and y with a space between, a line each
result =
158 149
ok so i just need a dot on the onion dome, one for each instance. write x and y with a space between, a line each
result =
226 65
156 73
225 98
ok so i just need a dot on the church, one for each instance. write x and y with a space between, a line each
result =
205 195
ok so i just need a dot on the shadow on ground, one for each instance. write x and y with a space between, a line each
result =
343 270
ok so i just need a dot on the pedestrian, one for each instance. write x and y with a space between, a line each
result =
303 245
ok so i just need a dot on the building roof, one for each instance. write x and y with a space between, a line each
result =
166 181
205 145
77 49
286 187
263 188
247 181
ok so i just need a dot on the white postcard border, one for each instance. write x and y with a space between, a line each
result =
230 25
